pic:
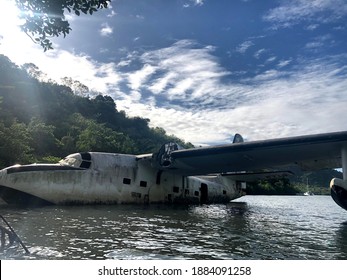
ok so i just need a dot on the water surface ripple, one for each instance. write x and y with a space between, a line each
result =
253 227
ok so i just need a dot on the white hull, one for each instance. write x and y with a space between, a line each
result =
111 179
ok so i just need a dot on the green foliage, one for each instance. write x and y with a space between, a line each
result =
316 182
14 144
45 121
49 159
276 186
319 179
42 139
45 19
313 189
96 137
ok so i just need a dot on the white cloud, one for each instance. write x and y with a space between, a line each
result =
284 63
198 2
71 17
105 30
242 48
183 71
320 41
312 26
311 100
194 3
112 13
138 78
203 107
161 83
140 17
259 53
271 59
319 11
314 45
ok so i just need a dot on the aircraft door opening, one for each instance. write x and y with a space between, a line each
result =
203 193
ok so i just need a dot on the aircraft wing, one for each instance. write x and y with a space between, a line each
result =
309 152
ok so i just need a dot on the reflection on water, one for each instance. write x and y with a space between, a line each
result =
253 227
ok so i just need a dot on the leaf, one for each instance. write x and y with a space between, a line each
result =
44 18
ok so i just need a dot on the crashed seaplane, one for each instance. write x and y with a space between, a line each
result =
213 174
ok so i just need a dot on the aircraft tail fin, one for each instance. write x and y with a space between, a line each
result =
238 138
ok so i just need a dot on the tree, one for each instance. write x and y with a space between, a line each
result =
44 19
77 87
105 108
43 140
14 144
97 137
43 120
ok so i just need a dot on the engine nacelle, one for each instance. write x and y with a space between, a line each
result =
163 156
338 189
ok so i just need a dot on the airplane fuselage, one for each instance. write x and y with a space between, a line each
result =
103 178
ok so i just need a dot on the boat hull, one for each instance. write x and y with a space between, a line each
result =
43 185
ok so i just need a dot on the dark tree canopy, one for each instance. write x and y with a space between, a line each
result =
45 18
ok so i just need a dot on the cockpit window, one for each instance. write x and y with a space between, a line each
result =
70 161
80 160
85 164
86 160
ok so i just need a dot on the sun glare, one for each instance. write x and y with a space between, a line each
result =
13 42
9 17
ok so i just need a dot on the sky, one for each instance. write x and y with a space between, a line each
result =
205 69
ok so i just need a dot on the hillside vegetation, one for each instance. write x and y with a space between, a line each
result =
44 121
